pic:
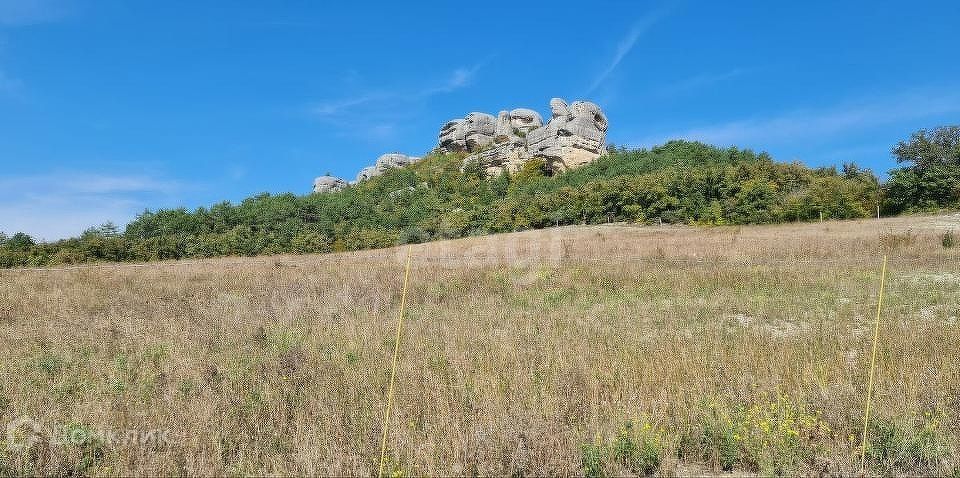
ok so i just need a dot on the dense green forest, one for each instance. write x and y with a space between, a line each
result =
679 182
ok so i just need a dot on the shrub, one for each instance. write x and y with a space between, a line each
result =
307 242
414 235
948 240
67 256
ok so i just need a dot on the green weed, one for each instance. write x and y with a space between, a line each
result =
772 437
638 450
591 460
899 446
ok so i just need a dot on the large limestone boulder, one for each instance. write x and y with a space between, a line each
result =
504 129
523 120
366 173
394 160
587 121
471 133
385 162
574 136
328 184
558 108
500 158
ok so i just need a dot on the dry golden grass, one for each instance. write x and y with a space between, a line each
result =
578 350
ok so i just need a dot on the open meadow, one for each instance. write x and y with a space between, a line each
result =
610 349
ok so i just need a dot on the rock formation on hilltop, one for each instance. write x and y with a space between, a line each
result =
327 184
385 162
574 136
473 132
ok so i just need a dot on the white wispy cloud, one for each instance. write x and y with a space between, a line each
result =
334 107
699 82
803 125
626 44
377 114
85 183
30 12
459 78
63 204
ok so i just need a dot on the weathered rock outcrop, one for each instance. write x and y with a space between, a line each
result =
394 160
327 184
574 136
385 162
366 173
471 133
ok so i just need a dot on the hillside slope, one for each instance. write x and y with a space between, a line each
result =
572 350
440 197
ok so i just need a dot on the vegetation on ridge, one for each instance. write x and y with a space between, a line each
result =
679 182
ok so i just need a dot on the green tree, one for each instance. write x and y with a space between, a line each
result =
20 242
930 149
930 177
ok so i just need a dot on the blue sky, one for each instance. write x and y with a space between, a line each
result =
108 107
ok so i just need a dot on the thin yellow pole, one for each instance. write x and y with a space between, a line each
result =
873 360
393 370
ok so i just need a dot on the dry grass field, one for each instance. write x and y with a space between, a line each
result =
578 350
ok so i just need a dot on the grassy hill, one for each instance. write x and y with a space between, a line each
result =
439 198
603 349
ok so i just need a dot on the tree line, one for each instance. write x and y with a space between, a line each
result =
441 198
